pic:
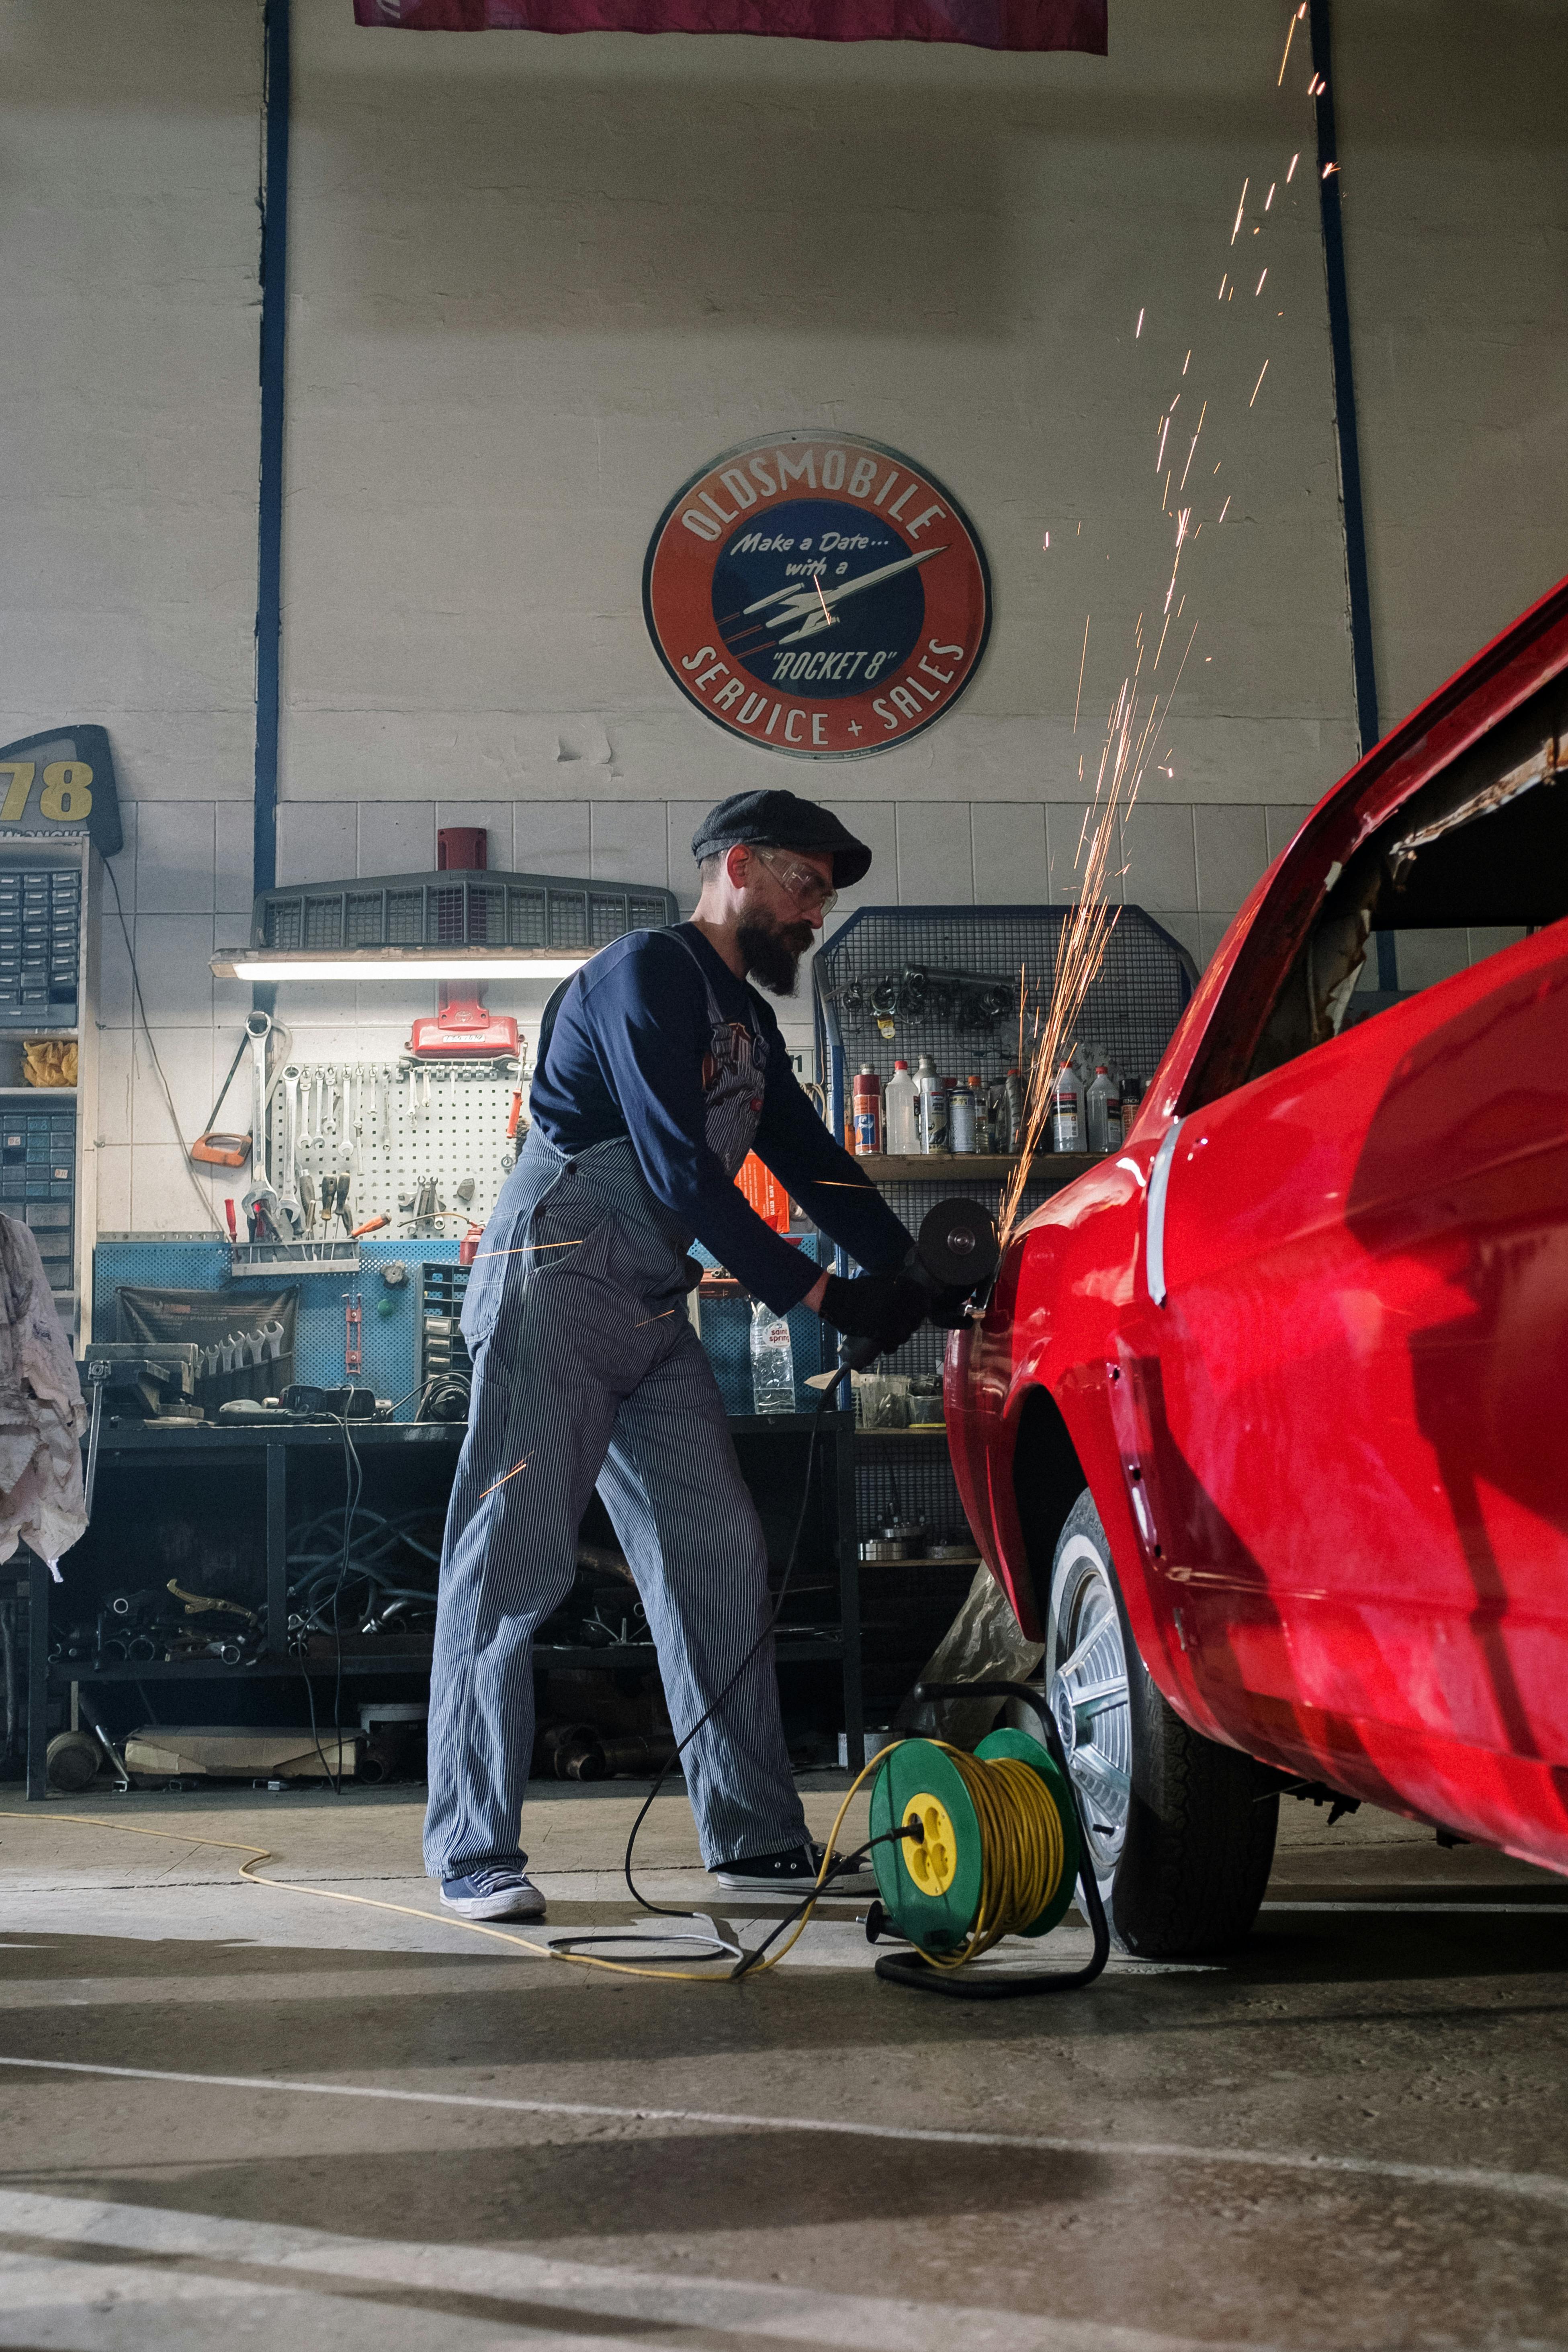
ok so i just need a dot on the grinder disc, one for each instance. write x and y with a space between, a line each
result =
931 1891
958 1245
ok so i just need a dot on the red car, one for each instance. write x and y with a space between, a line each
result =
1265 1430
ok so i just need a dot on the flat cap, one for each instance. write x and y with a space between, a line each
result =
781 819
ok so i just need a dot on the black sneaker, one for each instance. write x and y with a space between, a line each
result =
791 1871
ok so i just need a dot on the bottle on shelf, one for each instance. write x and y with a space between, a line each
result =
1016 1097
772 1361
900 1117
867 1105
1067 1109
961 1123
1103 1111
932 1105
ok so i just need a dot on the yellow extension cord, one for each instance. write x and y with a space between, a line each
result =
1022 1853
1021 1850
258 1853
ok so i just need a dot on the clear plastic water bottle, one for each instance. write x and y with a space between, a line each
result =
903 1137
1103 1108
772 1361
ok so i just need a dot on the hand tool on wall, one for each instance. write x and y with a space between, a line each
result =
228 1212
288 1182
354 1326
260 1203
215 1146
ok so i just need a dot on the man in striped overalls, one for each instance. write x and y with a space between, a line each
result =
658 1069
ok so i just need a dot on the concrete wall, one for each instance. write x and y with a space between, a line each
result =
1454 141
536 283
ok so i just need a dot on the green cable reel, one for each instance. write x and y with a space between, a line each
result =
931 1890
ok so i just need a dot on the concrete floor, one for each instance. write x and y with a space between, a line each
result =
357 2128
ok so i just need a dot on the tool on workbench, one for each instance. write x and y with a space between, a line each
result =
289 1201
215 1146
260 1203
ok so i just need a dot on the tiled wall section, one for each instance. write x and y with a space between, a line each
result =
184 882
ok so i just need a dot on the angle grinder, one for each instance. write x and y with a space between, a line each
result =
955 1259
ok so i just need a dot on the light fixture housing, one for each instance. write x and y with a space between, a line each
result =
460 924
280 964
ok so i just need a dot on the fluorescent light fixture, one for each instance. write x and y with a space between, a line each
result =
382 963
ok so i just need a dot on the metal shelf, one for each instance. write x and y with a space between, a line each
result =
944 1167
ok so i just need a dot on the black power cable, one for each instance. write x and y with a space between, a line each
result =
665 1911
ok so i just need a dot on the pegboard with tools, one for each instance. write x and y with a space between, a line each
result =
425 1145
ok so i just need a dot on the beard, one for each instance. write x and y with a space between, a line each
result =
773 953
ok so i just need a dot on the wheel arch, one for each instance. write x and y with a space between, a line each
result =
1049 1476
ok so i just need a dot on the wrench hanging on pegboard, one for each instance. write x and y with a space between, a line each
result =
426 1146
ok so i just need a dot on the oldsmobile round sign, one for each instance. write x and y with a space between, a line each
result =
818 594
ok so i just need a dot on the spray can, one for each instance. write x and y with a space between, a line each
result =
961 1117
900 1113
931 1096
1103 1109
1066 1110
867 1111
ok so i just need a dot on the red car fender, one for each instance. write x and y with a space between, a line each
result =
1052 1326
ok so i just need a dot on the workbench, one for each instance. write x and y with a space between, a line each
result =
168 1498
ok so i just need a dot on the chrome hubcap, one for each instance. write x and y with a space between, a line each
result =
1088 1697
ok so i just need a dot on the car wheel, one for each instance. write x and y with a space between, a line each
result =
1182 1835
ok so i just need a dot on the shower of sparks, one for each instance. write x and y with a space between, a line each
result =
1290 37
1258 385
1268 199
1081 659
1046 541
1241 207
1292 172
653 1319
1160 452
1316 85
1223 284
1329 169
1139 328
817 583
1223 512
1182 484
1259 287
1085 934
501 1480
1186 362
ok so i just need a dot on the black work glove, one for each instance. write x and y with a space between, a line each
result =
886 1308
949 1309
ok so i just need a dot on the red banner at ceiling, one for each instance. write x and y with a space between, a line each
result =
980 24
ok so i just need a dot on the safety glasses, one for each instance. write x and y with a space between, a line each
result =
805 886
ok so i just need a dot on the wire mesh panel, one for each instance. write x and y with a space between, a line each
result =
899 982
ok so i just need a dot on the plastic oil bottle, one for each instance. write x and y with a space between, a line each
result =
1067 1109
900 1120
772 1361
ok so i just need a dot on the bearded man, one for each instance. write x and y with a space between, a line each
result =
658 1068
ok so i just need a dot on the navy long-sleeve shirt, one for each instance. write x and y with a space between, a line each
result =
623 1055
